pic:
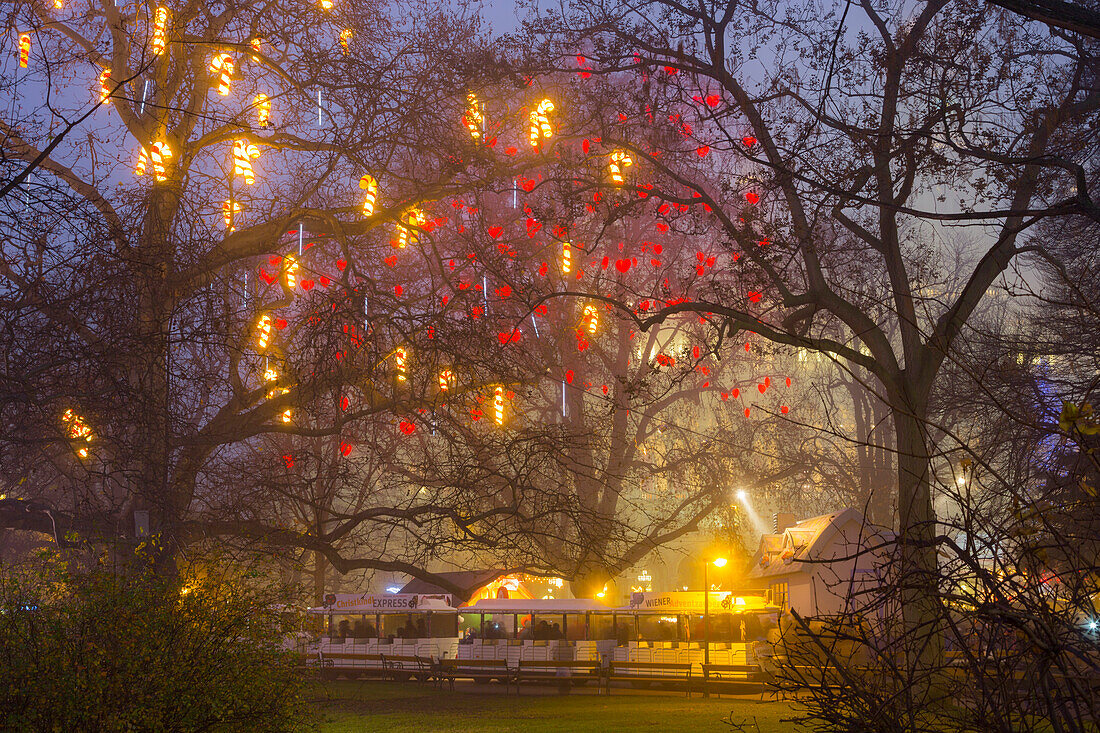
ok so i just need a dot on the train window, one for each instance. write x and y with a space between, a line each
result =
652 627
575 628
600 626
442 625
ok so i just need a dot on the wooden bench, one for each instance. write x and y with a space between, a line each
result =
727 674
329 662
649 672
478 670
536 671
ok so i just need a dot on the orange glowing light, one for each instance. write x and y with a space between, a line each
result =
223 66
159 155
498 405
619 160
104 90
262 103
371 187
540 123
24 49
591 318
160 23
409 233
229 209
263 331
473 118
326 4
401 360
290 270
446 379
243 151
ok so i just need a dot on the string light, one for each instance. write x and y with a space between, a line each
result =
243 151
24 49
160 23
619 160
566 258
104 91
290 269
473 118
498 405
223 65
410 233
263 331
401 358
591 318
540 122
371 187
263 109
229 209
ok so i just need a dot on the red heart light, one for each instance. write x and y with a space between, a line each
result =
495 232
267 278
784 409
748 141
762 387
288 459
788 381
280 324
752 197
398 290
713 100
345 448
407 427
341 265
622 265
702 151
307 285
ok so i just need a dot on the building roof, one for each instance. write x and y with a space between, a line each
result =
810 539
468 580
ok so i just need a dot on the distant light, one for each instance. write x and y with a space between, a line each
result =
961 481
393 589
1092 626
741 495
720 562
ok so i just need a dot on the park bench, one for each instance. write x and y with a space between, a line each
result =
563 671
478 670
332 662
725 675
642 673
402 667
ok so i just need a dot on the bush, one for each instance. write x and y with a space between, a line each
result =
102 651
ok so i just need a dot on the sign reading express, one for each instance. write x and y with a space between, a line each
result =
380 601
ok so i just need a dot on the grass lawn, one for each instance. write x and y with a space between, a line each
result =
346 706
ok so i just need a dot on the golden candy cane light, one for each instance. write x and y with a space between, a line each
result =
263 109
243 152
410 233
270 375
263 331
498 405
445 378
473 118
160 23
142 162
290 269
24 49
257 45
345 38
104 90
229 210
566 258
326 4
401 360
370 185
159 155
591 318
223 65
619 160
540 122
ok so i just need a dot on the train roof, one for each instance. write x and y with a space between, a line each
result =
535 605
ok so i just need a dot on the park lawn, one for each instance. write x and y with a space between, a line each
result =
347 706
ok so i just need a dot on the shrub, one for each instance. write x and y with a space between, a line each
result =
102 651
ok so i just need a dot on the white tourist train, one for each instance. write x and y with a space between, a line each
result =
406 635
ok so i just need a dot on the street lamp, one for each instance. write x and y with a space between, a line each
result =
719 562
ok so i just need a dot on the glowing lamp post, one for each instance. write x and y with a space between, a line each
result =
719 562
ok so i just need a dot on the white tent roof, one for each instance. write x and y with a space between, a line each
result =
533 605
